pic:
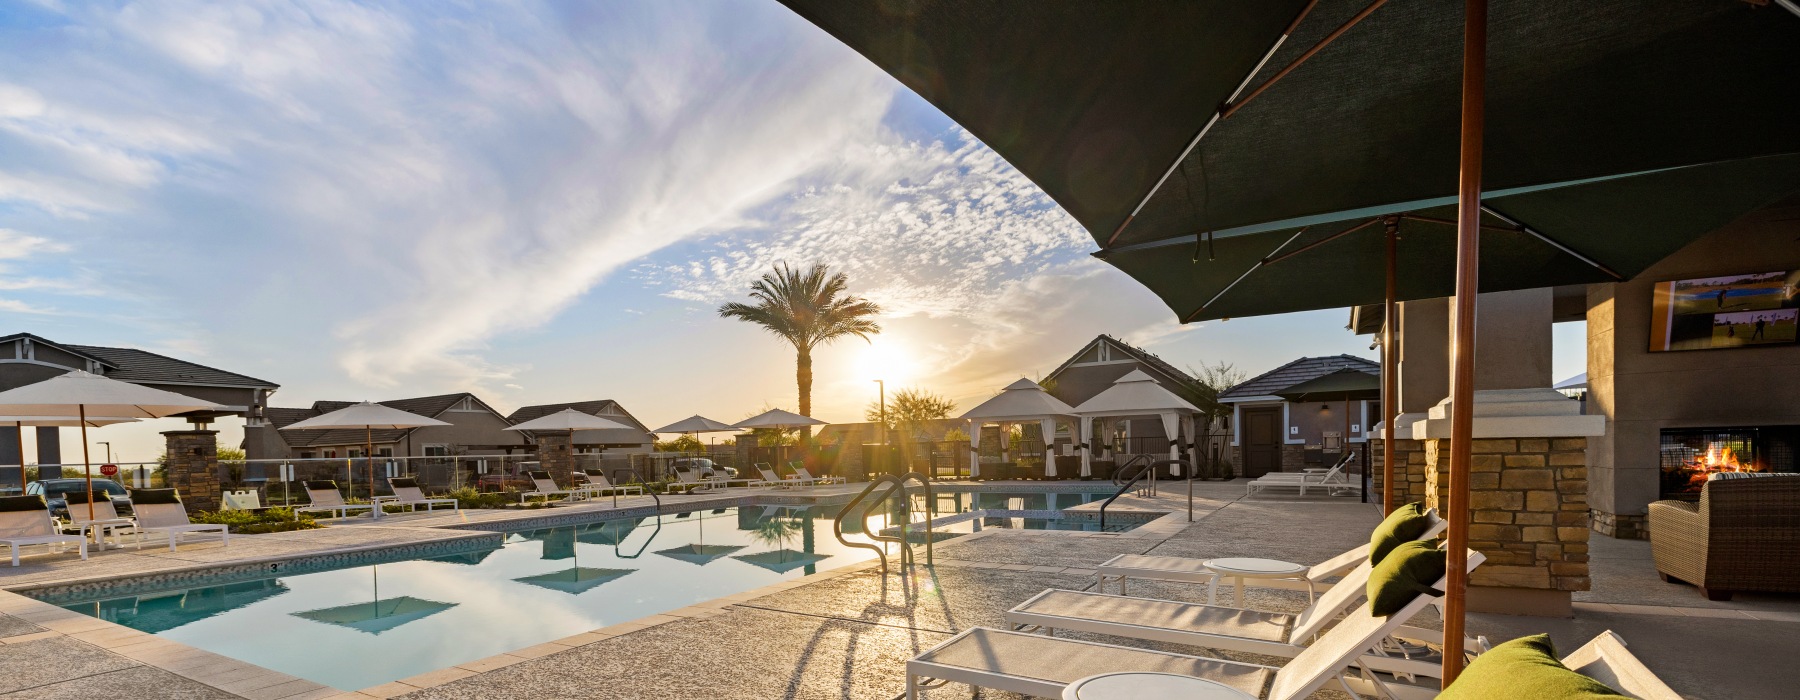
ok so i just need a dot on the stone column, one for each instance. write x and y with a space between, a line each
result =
556 455
1409 468
1527 499
193 467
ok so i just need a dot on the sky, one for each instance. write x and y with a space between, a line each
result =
538 202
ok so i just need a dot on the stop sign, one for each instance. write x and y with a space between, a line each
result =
109 469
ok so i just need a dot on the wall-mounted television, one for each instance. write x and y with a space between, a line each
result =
1729 311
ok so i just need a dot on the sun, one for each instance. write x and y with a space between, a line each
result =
888 359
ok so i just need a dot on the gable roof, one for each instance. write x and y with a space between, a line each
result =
1303 369
428 406
639 434
1146 357
143 367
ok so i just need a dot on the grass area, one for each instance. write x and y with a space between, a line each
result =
244 522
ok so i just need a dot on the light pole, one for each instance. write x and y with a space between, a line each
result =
883 388
108 451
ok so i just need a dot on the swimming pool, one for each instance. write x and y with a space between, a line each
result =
358 627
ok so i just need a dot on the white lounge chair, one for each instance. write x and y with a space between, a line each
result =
1042 666
597 483
806 477
770 478
1124 567
160 512
690 480
545 487
1605 659
106 518
1332 480
324 496
26 521
407 493
1220 627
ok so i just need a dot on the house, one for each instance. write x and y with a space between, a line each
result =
475 429
635 440
1272 433
28 359
1101 362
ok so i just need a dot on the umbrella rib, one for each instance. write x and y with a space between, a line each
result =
1231 107
1217 114
1234 283
1790 5
1553 242
1317 243
1448 222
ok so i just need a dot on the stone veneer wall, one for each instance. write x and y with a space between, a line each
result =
1622 526
1528 504
556 455
193 469
1409 469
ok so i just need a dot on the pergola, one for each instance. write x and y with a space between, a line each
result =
1022 401
1138 395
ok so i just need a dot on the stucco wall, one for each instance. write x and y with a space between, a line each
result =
1641 392
466 428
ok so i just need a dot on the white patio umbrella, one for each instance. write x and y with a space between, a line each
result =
78 392
1023 401
778 419
695 425
370 417
571 420
20 422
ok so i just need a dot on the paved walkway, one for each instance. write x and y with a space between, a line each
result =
847 633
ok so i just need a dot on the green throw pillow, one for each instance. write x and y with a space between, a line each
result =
1524 668
1405 524
1412 568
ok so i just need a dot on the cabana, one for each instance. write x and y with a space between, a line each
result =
1138 395
1022 401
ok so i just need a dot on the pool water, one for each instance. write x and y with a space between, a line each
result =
359 627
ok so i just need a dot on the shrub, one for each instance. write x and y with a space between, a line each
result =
244 522
468 497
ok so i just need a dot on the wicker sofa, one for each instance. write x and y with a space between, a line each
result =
1743 535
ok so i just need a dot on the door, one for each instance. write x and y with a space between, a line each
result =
1262 441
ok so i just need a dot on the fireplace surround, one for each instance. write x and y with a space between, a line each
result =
1689 455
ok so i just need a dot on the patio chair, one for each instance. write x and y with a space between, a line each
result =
544 487
106 518
1333 480
407 493
240 500
597 483
1741 536
160 512
1220 627
807 477
770 478
1124 567
26 521
324 496
689 480
1042 666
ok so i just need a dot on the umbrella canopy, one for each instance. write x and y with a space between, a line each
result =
1022 400
377 616
368 416
1133 394
782 561
701 554
1578 381
570 419
577 580
777 418
63 421
1115 111
1343 384
696 424
79 393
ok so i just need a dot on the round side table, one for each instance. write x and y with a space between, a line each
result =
1240 568
1150 686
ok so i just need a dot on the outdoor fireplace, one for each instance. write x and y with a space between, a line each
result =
1690 455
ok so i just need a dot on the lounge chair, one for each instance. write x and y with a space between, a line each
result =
160 512
1333 480
1042 666
324 496
807 477
770 478
407 493
1219 627
26 521
597 483
545 487
106 517
1190 570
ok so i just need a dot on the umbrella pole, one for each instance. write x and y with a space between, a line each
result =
1390 377
1462 378
21 436
369 467
87 466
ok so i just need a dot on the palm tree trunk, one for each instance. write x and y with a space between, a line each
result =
803 378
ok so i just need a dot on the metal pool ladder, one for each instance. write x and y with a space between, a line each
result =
895 485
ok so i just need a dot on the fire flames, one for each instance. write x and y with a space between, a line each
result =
1717 458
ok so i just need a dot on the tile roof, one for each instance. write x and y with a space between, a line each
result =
598 407
141 367
1303 369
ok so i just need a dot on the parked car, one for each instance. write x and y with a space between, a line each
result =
56 491
704 465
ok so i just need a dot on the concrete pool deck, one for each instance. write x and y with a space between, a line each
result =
847 632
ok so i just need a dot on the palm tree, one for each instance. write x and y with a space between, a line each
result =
808 308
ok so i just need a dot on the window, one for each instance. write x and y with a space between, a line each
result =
437 450
331 454
384 452
1105 352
